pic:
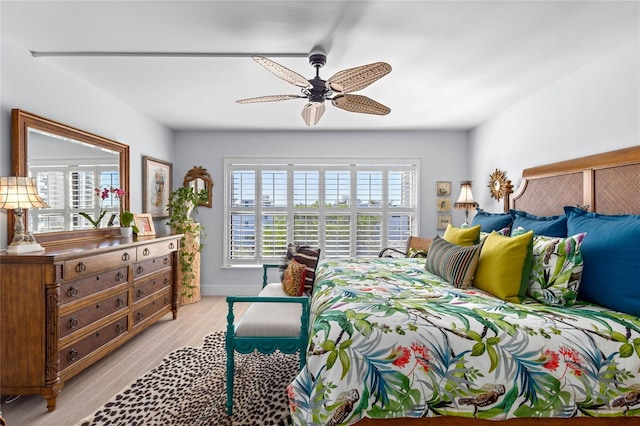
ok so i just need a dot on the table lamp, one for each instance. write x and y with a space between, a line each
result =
17 194
465 200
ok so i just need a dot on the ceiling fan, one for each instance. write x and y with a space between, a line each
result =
338 88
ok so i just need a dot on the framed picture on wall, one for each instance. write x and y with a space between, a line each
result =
144 222
443 221
444 204
443 187
157 176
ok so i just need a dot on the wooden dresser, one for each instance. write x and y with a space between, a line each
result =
64 309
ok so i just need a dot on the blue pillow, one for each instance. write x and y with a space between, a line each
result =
491 221
611 254
549 226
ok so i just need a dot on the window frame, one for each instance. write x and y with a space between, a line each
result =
322 165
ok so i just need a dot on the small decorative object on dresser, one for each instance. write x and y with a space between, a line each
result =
144 224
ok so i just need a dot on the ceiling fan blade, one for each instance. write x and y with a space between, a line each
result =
270 98
354 79
283 72
360 104
312 112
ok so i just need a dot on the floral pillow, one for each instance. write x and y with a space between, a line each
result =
556 270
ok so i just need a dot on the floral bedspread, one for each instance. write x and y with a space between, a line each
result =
388 340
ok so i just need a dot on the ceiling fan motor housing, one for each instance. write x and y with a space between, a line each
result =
317 60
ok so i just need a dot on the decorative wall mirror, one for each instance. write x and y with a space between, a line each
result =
68 163
198 178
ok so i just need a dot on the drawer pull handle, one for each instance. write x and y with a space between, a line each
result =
119 276
165 261
73 291
119 302
166 281
140 269
81 267
125 257
97 306
140 315
140 292
146 252
166 300
119 328
97 277
97 334
171 245
73 323
73 354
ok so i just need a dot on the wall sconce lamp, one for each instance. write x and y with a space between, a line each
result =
465 200
17 194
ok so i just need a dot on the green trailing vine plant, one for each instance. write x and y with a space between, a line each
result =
182 203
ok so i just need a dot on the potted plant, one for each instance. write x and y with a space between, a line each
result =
182 203
127 227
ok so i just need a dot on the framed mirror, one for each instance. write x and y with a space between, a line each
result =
198 178
69 164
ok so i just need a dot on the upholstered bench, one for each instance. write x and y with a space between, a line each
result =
273 321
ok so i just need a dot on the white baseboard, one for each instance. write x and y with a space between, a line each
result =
229 290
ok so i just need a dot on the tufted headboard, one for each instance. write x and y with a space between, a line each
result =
607 183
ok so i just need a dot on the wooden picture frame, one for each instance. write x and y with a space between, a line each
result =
157 178
443 221
443 204
443 188
144 222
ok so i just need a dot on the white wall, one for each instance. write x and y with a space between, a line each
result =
592 110
443 156
40 87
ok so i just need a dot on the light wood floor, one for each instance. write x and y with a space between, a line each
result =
85 393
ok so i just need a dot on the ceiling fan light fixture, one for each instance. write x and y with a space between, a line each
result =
312 112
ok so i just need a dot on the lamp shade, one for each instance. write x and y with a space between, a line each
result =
465 200
19 192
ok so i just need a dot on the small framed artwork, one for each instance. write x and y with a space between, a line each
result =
157 176
443 187
444 204
443 221
144 222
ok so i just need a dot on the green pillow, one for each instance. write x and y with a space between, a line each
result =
504 266
462 236
556 269
453 262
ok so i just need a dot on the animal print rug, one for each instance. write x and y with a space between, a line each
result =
189 388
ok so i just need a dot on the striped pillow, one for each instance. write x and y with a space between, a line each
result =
454 263
306 255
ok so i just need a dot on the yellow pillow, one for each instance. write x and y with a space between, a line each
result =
504 266
462 236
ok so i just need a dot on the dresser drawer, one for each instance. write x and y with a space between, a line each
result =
76 290
144 311
82 317
93 264
150 286
150 266
156 249
82 348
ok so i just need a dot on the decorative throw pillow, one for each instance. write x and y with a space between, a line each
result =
550 226
556 269
306 255
455 263
610 251
504 266
464 236
294 278
504 231
491 221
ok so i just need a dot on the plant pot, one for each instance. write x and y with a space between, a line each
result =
126 232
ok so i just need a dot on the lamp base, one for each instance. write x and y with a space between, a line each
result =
24 248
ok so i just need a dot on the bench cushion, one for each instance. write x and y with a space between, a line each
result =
271 319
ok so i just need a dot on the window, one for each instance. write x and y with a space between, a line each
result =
69 190
346 207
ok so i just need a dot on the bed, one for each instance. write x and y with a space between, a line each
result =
390 340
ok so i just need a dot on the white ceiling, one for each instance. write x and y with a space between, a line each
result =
455 63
